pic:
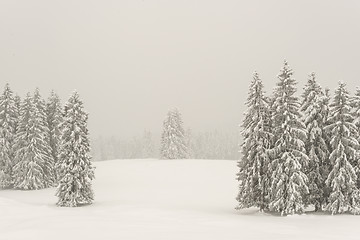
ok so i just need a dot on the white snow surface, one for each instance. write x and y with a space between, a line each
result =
160 199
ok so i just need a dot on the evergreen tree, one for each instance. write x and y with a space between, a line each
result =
289 182
8 119
254 176
17 100
173 143
344 195
147 145
315 116
189 139
355 104
30 157
44 132
325 106
18 106
54 120
182 144
74 162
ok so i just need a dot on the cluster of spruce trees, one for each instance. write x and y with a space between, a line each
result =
300 152
44 145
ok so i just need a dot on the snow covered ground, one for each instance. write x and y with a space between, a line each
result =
160 199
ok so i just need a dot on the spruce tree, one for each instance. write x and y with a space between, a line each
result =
344 194
8 120
314 117
190 143
18 106
148 148
355 111
173 142
253 175
54 120
289 182
272 125
17 100
325 106
75 168
30 157
44 132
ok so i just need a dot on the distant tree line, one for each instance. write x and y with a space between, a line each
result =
200 145
300 152
44 145
215 144
109 148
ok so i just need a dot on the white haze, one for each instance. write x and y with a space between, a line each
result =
133 60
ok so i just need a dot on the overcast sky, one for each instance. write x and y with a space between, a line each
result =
133 60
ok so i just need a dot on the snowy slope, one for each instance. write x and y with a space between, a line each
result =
160 199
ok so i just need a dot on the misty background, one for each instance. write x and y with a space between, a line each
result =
132 61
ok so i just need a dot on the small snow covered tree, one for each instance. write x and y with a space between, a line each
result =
289 182
75 168
54 120
254 176
30 157
314 116
8 120
344 194
173 142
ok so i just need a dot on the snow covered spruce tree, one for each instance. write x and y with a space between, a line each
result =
8 120
41 115
254 176
344 194
355 111
31 155
17 100
147 150
74 162
315 116
54 120
326 165
190 143
173 142
289 182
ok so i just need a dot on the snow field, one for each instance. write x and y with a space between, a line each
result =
160 200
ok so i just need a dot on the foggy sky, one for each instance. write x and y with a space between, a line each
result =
133 60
